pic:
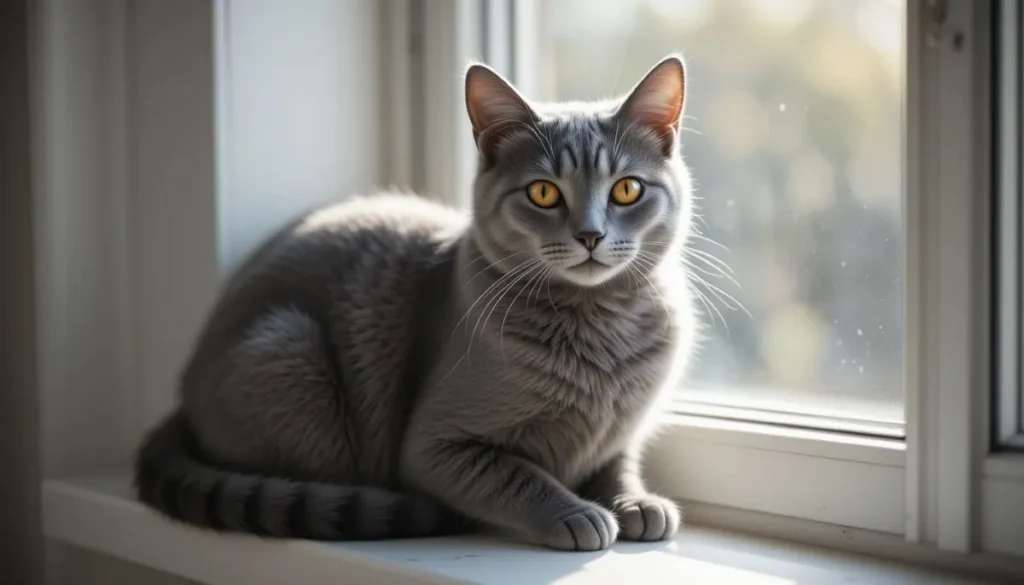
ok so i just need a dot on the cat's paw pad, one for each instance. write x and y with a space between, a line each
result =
647 517
587 528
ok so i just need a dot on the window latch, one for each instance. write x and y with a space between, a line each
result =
936 15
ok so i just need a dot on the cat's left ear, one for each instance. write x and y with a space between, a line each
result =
656 103
495 108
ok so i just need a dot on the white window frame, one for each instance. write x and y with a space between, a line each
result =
940 490
1009 425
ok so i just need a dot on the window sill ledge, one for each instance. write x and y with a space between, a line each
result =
97 513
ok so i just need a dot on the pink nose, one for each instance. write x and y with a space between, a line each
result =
590 240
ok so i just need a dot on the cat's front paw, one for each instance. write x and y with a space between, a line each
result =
647 517
586 528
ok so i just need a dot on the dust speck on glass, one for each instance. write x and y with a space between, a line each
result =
794 135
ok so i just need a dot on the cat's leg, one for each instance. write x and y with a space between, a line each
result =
509 492
270 418
642 515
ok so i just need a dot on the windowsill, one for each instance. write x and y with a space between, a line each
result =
98 514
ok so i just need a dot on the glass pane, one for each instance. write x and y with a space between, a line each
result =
794 135
1009 166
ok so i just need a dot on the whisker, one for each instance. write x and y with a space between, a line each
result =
508 279
723 296
548 285
712 242
547 270
711 260
491 265
650 285
713 291
686 262
493 285
501 330
709 304
497 301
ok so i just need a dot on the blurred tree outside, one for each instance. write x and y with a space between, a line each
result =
794 134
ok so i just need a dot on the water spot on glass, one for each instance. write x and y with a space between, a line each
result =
879 327
843 263
835 321
860 370
839 342
843 361
860 332
730 203
782 107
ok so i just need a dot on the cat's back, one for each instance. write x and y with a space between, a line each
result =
363 232
357 257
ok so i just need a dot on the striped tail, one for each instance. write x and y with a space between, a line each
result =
171 479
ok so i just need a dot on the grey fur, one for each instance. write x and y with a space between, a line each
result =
385 368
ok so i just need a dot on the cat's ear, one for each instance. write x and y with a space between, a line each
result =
495 108
656 103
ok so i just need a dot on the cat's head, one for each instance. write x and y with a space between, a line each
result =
593 192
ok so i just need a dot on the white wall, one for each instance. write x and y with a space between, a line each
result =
299 107
170 138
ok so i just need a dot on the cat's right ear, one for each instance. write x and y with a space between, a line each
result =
495 108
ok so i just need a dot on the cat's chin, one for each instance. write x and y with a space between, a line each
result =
588 273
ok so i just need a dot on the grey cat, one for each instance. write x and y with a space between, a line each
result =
387 367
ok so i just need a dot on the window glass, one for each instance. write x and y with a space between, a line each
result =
794 133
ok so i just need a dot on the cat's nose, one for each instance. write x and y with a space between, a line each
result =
590 240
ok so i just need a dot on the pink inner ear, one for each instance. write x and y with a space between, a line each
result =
491 101
657 101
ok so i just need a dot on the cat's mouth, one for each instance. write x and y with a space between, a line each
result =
589 263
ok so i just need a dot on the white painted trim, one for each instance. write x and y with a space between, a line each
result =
947 245
1010 220
497 36
398 92
997 567
94 513
1006 466
1001 516
527 39
85 328
838 479
1001 512
963 199
1019 439
450 37
175 185
773 438
916 291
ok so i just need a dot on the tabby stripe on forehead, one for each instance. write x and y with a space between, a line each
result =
601 159
212 505
252 515
568 159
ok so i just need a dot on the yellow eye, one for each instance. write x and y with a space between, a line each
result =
627 191
544 194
